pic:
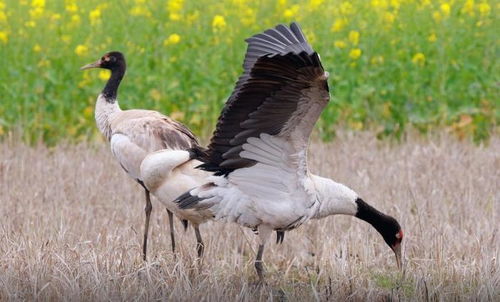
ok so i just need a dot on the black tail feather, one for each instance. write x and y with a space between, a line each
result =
198 153
187 201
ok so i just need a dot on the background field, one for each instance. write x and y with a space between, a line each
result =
393 63
72 223
71 220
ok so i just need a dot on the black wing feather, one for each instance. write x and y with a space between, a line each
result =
279 65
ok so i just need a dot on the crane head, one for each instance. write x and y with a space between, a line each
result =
111 60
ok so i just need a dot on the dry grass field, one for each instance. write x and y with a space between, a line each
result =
71 229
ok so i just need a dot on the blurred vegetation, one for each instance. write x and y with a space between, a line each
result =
393 64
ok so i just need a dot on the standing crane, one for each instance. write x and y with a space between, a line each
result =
133 134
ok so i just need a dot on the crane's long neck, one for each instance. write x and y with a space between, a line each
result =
107 104
377 219
110 91
334 198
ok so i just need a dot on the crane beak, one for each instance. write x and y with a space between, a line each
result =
397 252
96 64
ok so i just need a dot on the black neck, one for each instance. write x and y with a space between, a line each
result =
110 91
371 215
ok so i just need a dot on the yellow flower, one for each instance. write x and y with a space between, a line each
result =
38 7
172 39
425 3
484 9
346 8
291 12
379 3
75 19
71 7
4 37
38 3
81 50
354 37
468 7
339 44
104 74
432 38
339 24
95 16
174 16
314 4
218 22
355 53
36 12
175 6
3 16
396 3
418 59
445 8
248 16
37 48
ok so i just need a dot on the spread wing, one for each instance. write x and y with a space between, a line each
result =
281 93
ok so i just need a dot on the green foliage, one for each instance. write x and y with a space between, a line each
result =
393 64
394 282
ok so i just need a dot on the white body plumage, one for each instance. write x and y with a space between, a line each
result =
169 173
273 193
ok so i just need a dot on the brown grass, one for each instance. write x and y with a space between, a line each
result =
71 225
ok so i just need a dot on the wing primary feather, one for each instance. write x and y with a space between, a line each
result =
281 71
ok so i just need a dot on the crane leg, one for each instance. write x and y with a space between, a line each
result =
258 263
264 233
280 235
171 223
200 246
147 209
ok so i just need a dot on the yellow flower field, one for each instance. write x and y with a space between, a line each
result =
393 64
